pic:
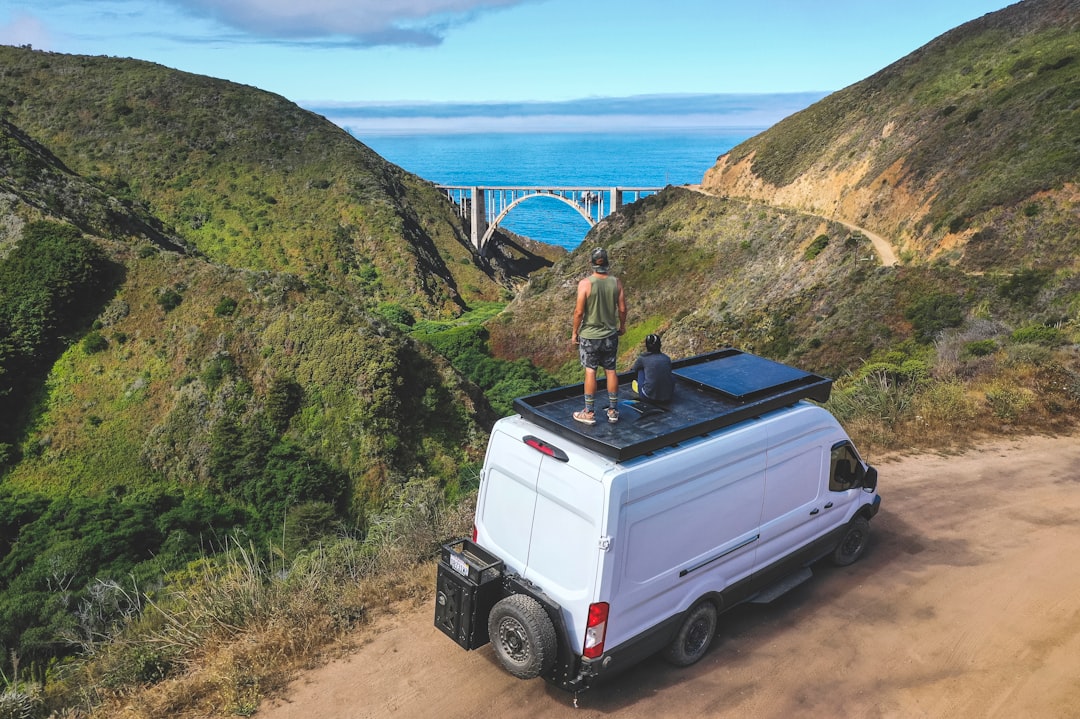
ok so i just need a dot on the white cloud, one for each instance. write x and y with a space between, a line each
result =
366 22
24 29
611 114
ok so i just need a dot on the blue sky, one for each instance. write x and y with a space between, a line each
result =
530 62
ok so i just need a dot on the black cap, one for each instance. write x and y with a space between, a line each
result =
599 260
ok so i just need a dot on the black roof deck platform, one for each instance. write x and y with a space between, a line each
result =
712 391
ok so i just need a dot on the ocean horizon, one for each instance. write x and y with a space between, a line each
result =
638 158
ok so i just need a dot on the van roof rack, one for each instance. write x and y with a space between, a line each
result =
712 391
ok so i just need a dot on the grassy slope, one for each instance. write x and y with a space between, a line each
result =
714 271
965 334
246 177
966 150
213 190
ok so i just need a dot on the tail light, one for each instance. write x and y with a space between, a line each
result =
595 630
474 533
544 448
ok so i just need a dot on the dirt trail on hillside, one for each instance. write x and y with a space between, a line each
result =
882 246
966 604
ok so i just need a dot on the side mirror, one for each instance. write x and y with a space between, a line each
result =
869 482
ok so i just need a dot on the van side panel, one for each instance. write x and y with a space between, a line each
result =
508 499
689 527
797 509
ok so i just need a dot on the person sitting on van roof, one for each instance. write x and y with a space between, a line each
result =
653 369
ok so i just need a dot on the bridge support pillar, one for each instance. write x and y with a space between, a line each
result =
479 217
616 200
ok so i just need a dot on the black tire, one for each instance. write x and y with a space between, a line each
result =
694 636
853 542
523 636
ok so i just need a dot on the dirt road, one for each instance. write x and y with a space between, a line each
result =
882 246
966 604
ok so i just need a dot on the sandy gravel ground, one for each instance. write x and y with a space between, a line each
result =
966 604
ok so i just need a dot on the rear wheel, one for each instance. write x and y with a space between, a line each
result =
694 636
853 543
523 636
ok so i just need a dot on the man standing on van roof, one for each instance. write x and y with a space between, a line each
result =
599 320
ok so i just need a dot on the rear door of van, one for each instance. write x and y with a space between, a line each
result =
544 517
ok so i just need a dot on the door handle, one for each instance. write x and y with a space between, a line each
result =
828 506
814 511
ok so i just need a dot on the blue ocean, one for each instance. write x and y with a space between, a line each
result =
645 159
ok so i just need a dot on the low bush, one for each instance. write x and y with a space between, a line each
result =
169 299
979 348
933 313
1007 401
94 342
225 307
815 248
1038 335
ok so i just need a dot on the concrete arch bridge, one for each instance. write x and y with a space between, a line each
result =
486 207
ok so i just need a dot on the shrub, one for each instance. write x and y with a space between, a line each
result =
1006 400
306 524
943 405
226 306
1022 287
874 395
169 299
1038 335
94 342
979 348
816 246
216 370
21 703
1027 354
396 314
933 313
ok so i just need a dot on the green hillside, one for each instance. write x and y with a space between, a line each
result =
246 178
965 151
205 298
965 154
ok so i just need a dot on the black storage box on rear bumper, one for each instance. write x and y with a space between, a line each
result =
466 589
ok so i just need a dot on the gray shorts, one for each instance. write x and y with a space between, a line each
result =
598 353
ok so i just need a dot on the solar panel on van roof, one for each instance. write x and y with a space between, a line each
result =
712 391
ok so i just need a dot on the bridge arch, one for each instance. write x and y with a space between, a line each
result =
494 224
484 207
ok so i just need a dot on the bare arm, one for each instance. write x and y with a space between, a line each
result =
579 308
622 309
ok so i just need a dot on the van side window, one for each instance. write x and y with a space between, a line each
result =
845 469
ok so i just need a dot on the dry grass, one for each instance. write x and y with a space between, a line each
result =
236 628
1018 389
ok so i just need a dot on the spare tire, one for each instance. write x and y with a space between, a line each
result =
523 636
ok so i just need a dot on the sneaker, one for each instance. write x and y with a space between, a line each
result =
612 415
585 417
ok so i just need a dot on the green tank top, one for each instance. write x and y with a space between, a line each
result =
601 309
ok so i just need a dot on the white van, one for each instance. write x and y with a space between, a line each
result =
596 546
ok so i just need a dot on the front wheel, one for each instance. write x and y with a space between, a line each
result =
694 636
853 542
523 636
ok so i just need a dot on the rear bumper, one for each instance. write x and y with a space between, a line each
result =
875 505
